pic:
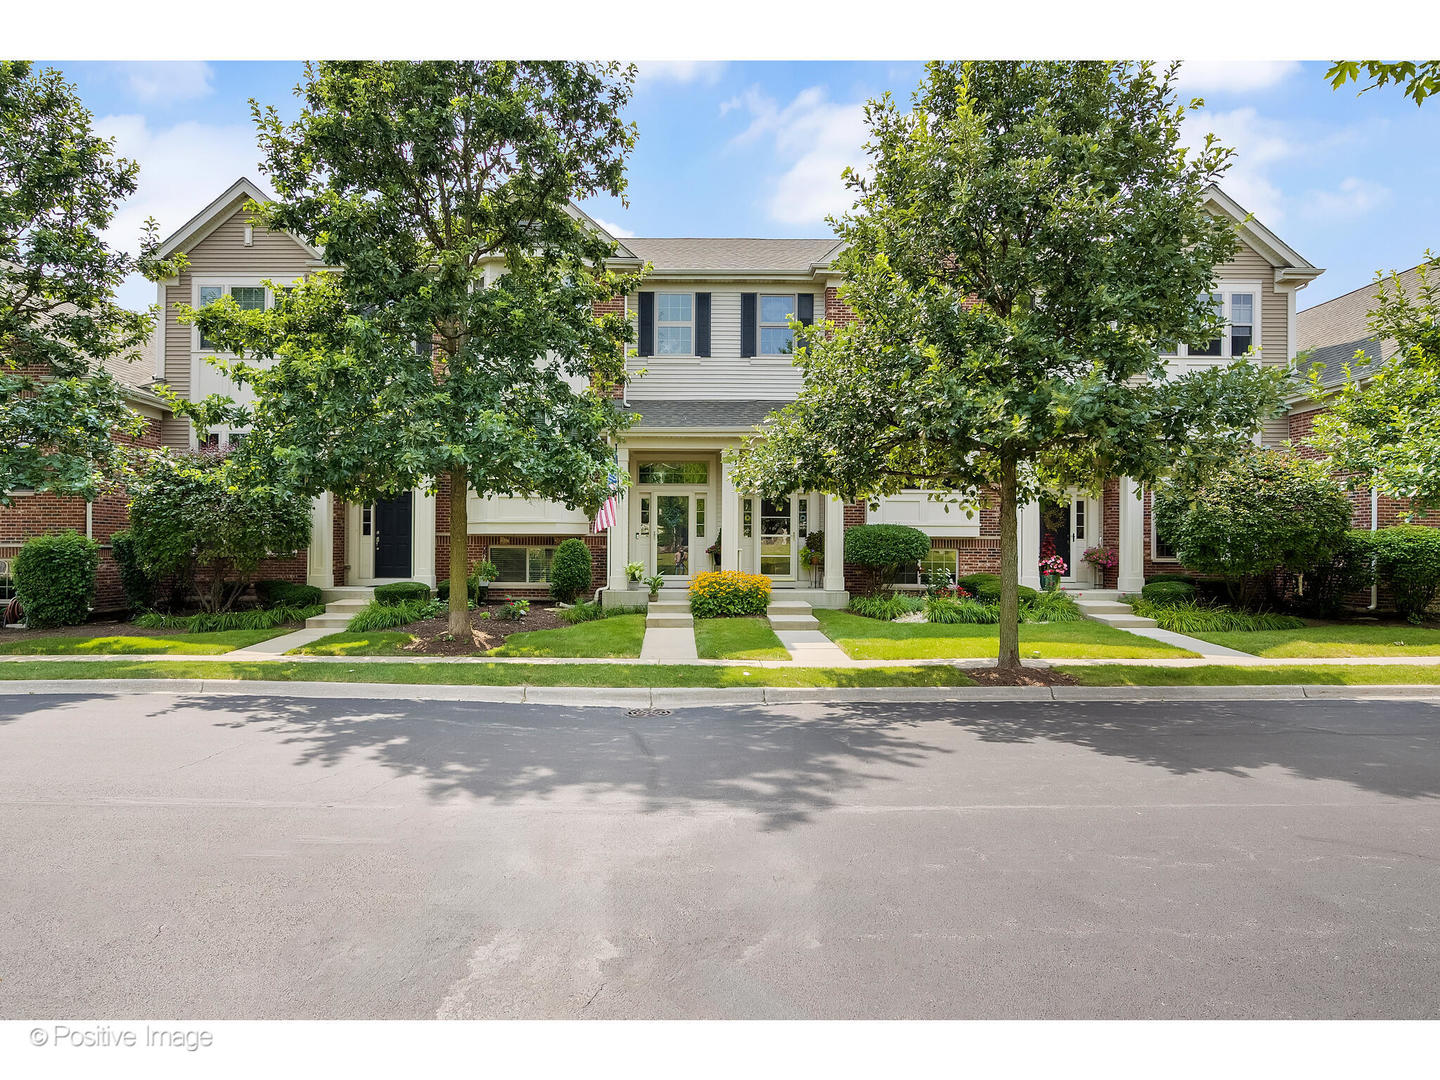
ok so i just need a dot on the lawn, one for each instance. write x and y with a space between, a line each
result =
210 643
1312 674
1334 639
482 674
357 643
871 639
619 635
737 639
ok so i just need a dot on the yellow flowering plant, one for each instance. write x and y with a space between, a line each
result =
723 593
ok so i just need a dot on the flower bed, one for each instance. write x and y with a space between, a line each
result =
721 593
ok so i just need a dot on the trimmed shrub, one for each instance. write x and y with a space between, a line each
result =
717 594
272 593
886 606
986 587
1050 607
399 592
944 609
1188 617
55 579
1168 591
206 622
885 547
138 583
1156 579
379 615
570 570
1407 559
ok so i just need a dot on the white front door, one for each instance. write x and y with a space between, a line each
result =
669 534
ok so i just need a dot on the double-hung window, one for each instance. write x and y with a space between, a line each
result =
776 336
247 297
674 324
1237 307
523 565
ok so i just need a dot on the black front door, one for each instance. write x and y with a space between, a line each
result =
392 537
1055 530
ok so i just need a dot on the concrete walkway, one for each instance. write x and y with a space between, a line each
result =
278 646
811 648
1207 649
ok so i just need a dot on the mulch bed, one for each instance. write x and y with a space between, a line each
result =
989 676
432 637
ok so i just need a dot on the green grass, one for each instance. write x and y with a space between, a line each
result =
357 643
1334 639
1310 674
619 635
210 643
737 639
482 674
870 639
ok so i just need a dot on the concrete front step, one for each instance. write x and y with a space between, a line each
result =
1102 607
352 604
329 621
678 621
670 607
1121 621
794 622
789 607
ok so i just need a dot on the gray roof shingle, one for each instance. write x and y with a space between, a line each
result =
731 253
740 415
1334 330
1331 359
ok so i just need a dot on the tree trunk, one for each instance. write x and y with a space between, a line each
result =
1009 658
460 625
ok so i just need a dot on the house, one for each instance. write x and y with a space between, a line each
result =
711 362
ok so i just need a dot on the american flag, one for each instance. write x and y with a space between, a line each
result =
606 517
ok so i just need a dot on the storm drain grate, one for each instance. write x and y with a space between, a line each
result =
647 712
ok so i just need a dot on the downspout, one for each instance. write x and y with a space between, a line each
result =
89 520
1374 584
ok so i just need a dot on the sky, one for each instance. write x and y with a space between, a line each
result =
756 149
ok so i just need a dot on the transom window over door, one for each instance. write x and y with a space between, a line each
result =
776 336
674 324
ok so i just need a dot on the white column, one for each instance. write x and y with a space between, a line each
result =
1131 541
617 537
320 557
422 533
834 544
732 529
1028 544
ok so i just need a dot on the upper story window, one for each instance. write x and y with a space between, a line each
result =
776 336
1239 309
674 324
248 297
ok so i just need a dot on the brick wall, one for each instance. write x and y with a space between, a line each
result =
337 544
836 310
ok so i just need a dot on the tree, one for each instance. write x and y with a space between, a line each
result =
198 513
443 190
1419 79
1031 235
1266 511
60 408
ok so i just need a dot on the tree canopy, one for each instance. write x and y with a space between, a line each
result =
1029 238
1418 79
457 340
61 409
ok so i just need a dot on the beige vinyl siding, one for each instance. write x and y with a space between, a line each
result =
221 253
1250 265
724 374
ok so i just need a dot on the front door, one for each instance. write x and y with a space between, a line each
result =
778 549
393 520
1055 531
671 551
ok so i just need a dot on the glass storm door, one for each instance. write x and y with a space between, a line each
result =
777 538
672 535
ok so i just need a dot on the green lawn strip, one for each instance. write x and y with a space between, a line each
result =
480 673
1317 674
872 639
1334 639
357 643
619 635
210 643
738 639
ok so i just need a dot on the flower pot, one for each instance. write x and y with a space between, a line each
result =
654 597
1049 582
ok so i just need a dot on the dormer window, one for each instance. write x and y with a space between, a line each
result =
674 324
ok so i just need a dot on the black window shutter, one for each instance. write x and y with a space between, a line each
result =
805 308
702 324
647 324
747 323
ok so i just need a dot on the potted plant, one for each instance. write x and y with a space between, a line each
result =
812 555
1101 559
485 572
654 582
1052 568
634 571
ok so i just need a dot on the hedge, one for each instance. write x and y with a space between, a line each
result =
1407 559
718 594
570 570
399 592
1163 591
138 583
885 547
986 586
55 579
272 593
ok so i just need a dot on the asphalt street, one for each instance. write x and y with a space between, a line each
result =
165 855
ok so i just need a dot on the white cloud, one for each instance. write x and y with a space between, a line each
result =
704 72
182 168
1259 145
818 138
1238 76
612 228
167 80
1354 198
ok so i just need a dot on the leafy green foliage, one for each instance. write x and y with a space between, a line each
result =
1407 561
1184 579
399 592
272 592
138 583
1193 617
1265 511
417 178
1007 330
515 610
570 570
208 621
885 547
191 513
382 616
584 611
1349 570
55 579
63 415
719 593
1050 607
986 586
1385 432
1419 79
885 605
1167 591
944 609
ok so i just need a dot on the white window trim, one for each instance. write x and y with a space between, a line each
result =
198 355
1153 549
509 584
689 323
1224 289
760 325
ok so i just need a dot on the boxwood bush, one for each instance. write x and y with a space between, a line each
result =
398 592
986 586
272 593
720 593
570 570
1407 559
55 579
885 547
